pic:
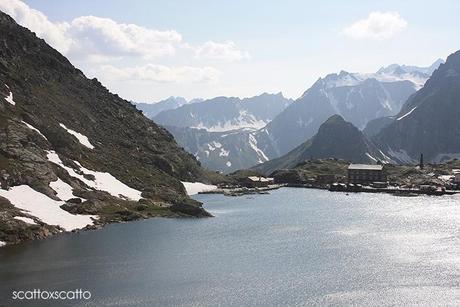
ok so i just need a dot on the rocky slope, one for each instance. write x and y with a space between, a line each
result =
72 153
374 126
429 121
358 98
336 138
221 151
226 113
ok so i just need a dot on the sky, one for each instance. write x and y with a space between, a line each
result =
148 50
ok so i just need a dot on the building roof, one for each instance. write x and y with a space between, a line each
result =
261 179
369 167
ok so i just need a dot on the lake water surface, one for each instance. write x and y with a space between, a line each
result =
292 247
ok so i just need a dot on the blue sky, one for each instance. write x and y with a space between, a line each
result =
241 48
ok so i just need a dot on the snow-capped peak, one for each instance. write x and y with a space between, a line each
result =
342 79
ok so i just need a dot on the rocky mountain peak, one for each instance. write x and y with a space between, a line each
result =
336 138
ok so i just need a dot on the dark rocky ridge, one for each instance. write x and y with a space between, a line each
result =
336 138
429 121
49 90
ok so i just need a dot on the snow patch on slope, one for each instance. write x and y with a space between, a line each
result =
25 220
80 137
34 129
223 152
412 110
103 181
371 157
9 98
400 155
244 120
46 209
261 155
193 188
386 158
352 79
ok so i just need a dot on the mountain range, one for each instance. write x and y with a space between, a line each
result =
427 124
360 98
225 113
152 109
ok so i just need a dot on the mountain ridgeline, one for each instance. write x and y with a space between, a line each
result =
152 109
336 138
225 113
58 127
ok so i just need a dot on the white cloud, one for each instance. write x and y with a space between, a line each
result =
99 46
160 73
378 25
226 51
53 33
102 36
96 39
93 37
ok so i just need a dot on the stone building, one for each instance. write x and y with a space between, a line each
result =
366 173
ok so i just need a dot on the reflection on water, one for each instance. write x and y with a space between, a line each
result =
292 247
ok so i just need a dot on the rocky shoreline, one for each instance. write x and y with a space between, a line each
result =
17 226
240 191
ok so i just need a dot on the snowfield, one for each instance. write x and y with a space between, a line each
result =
103 181
80 137
46 209
244 120
193 188
63 189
